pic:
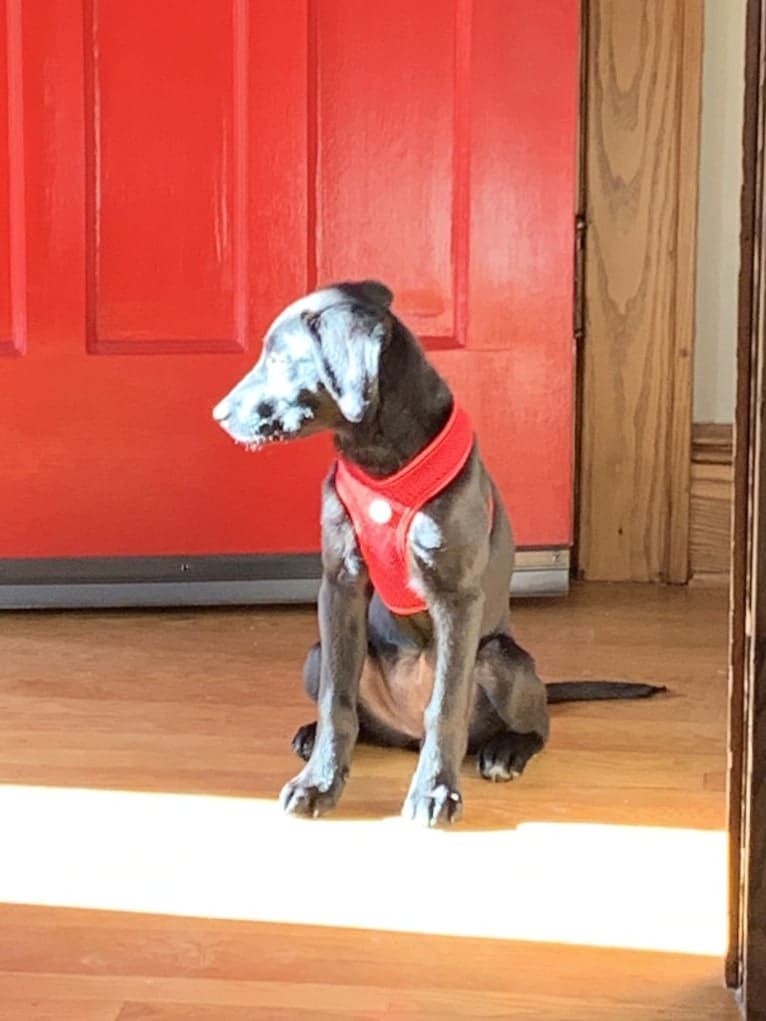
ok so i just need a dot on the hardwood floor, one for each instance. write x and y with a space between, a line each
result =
148 876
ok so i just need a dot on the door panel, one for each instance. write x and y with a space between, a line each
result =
115 454
523 144
6 328
518 380
12 268
164 190
189 168
520 439
390 186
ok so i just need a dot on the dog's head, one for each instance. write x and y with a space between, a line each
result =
318 367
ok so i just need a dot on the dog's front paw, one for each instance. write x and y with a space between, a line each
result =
312 794
433 803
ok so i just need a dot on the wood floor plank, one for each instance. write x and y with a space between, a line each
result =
213 1012
703 1002
545 1009
548 1011
35 1009
43 943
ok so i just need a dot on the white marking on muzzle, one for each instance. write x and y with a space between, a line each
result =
222 410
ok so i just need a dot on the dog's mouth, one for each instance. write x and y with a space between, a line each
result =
264 436
250 446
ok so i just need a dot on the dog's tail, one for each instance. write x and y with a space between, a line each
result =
598 691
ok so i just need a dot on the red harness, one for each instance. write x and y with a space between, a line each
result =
382 510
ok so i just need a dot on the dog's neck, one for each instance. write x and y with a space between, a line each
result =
411 409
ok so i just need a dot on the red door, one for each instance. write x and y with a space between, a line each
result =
172 174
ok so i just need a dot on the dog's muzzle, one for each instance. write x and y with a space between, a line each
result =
222 410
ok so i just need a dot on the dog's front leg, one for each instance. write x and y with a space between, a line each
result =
434 795
343 602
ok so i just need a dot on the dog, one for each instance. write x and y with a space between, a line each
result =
415 647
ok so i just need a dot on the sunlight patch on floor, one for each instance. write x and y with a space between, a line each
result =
236 858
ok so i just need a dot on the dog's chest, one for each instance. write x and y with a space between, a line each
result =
398 693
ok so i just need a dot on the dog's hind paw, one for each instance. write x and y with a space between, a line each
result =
504 756
303 742
440 803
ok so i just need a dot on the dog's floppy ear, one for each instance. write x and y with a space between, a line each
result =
349 338
375 293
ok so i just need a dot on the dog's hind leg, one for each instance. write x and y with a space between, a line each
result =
510 721
371 730
303 741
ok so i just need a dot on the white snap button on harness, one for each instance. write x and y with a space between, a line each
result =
380 511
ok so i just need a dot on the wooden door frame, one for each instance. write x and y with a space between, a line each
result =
635 288
746 960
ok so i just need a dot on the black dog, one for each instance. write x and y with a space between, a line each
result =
436 668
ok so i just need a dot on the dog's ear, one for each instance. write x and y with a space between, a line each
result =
349 338
366 292
375 293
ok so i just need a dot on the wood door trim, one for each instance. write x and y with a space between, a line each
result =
746 959
677 559
742 452
635 359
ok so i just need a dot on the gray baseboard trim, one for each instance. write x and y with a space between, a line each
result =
105 582
543 572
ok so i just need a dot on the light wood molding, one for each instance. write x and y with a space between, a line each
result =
641 155
712 495
712 492
712 443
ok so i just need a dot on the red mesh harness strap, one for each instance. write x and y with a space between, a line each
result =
382 510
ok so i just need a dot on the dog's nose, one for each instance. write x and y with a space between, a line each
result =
222 410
